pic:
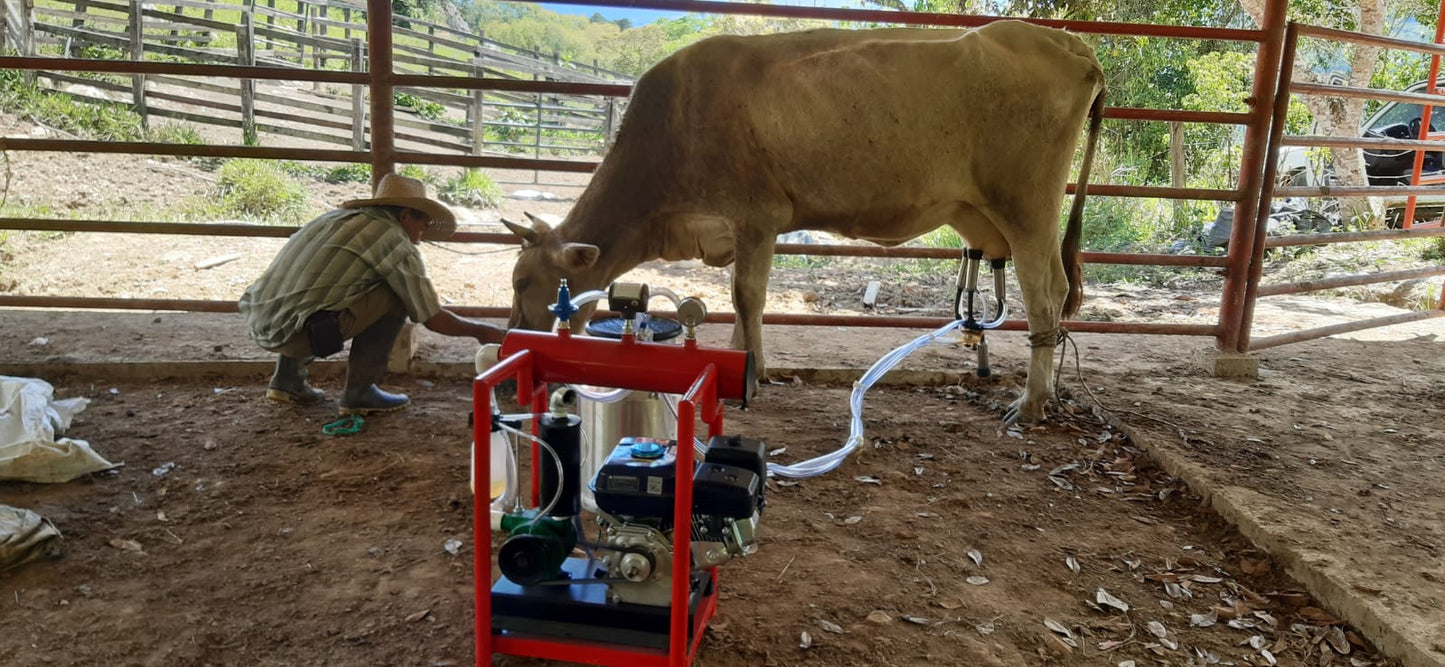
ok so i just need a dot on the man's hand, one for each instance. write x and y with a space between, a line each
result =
448 323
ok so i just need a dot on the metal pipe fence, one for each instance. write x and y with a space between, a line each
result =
1251 197
1277 139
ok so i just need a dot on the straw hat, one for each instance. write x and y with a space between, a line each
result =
395 190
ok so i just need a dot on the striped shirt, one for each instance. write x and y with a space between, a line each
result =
331 262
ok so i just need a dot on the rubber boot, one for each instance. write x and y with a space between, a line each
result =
366 367
288 383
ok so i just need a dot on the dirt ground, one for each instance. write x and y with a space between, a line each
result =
269 543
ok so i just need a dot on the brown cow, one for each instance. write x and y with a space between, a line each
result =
880 135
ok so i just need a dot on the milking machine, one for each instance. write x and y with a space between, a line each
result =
638 586
965 302
616 442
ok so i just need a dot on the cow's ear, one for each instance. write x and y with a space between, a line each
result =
530 235
577 256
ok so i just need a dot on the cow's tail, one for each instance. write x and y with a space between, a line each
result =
1073 268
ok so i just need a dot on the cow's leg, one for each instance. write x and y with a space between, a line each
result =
751 266
1041 276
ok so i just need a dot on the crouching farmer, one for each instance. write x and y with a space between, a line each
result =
355 274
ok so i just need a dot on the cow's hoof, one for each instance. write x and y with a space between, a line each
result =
1023 414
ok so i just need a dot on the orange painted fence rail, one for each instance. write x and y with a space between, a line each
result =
1277 42
1277 139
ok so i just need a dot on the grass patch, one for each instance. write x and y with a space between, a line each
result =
472 188
799 262
349 173
417 172
423 108
103 121
175 133
261 190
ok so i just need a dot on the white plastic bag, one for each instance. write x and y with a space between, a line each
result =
25 537
30 420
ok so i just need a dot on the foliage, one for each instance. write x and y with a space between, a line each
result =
417 172
1432 249
1397 70
349 173
513 128
472 188
1123 224
799 261
570 37
260 189
418 9
424 108
101 52
175 133
107 121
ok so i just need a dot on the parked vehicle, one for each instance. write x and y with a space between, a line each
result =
1395 120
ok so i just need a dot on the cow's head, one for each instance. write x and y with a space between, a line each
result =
544 261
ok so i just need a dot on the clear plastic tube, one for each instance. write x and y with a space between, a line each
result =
827 462
588 297
557 495
698 446
587 392
667 294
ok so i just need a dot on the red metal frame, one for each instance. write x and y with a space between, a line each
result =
705 376
1426 142
1407 221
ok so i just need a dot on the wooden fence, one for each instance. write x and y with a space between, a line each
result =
328 34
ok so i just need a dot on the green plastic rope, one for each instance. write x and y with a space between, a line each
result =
348 425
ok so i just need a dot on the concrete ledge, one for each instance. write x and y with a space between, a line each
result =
336 369
1228 365
1233 503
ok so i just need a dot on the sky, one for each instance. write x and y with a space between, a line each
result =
645 16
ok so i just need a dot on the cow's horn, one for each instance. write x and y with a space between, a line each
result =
538 223
529 235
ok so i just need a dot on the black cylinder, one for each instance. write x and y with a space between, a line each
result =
565 437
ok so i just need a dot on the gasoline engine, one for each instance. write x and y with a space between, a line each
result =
634 492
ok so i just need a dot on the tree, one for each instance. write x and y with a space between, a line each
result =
1339 117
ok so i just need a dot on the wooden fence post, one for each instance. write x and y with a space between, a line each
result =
537 140
346 18
477 110
317 61
137 53
270 18
609 123
27 30
246 54
431 48
175 32
302 26
77 22
358 98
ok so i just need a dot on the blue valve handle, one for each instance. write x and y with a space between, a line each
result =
563 309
